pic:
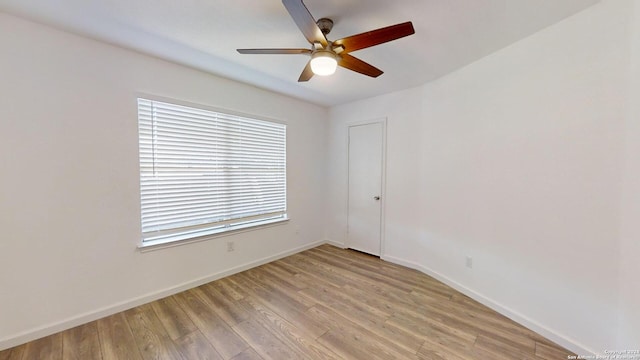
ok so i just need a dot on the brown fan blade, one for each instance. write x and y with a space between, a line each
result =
305 21
353 63
274 51
307 73
375 37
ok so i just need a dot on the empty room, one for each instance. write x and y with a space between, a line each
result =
289 179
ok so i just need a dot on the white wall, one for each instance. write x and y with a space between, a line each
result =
629 316
69 211
517 160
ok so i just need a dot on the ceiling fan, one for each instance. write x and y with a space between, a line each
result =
327 55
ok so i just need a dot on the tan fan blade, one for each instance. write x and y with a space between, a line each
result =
274 51
305 21
375 37
307 73
357 65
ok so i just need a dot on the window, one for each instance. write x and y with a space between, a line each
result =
204 172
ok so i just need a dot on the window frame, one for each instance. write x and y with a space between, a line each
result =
222 228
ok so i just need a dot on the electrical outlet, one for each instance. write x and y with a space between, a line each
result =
469 262
230 246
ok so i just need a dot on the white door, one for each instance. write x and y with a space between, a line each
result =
365 188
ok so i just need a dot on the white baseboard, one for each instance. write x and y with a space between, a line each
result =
548 333
72 322
335 243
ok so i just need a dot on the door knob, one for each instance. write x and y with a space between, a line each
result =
376 198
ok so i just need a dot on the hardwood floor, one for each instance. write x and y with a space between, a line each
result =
324 303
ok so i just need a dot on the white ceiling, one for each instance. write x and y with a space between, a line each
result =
205 34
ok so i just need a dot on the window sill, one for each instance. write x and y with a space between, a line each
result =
204 235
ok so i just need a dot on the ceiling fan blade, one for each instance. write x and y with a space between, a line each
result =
274 51
357 65
307 73
375 37
305 21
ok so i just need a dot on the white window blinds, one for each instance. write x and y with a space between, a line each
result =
203 171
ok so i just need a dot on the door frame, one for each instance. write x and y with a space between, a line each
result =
383 177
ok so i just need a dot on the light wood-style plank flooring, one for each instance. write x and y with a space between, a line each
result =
324 303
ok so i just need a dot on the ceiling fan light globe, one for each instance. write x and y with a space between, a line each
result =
323 63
